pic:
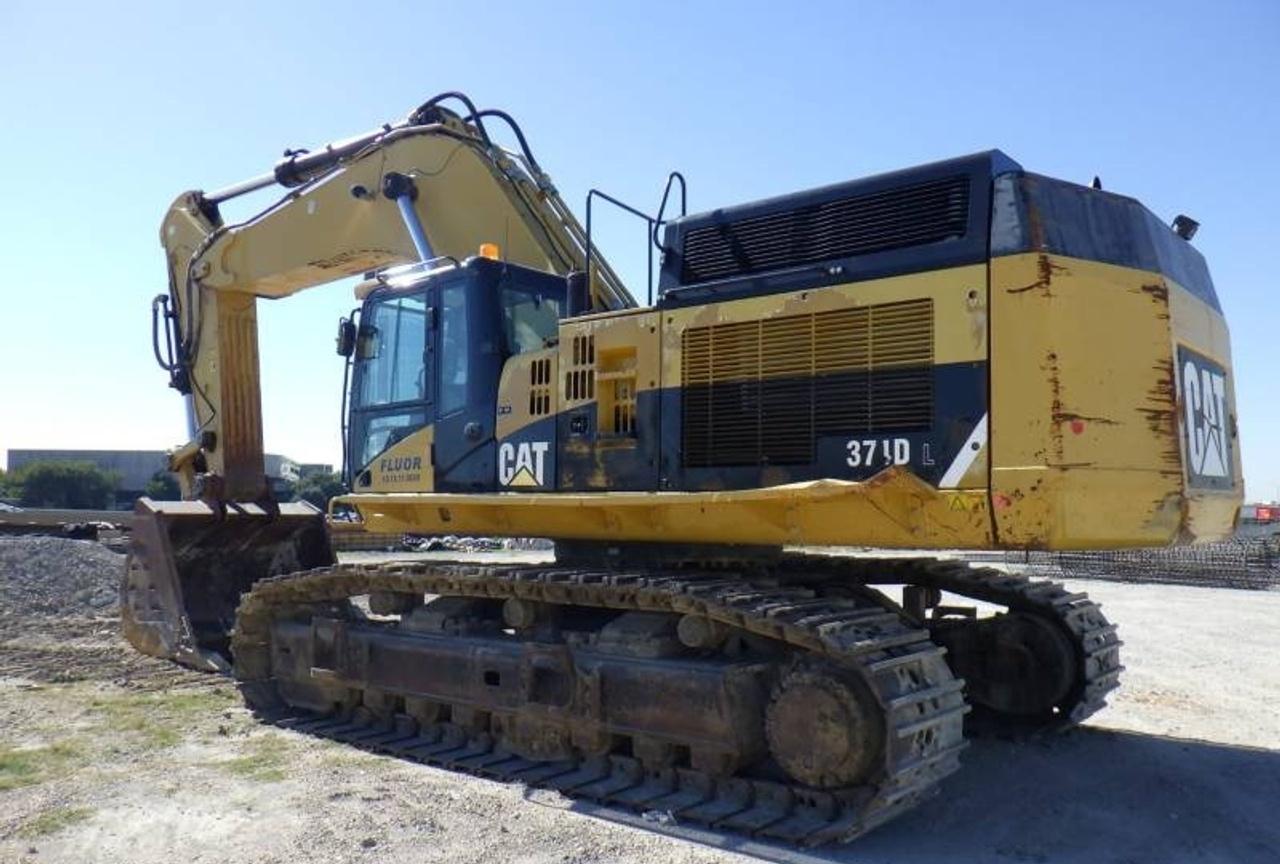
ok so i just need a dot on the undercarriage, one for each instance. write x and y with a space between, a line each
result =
784 698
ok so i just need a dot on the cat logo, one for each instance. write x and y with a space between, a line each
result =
1204 401
522 464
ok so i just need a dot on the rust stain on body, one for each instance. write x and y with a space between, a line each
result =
1162 416
1045 269
1054 371
1071 417
1157 290
1159 294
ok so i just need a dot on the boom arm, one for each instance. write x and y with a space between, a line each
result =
338 221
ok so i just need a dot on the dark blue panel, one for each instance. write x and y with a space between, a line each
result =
529 454
590 462
1031 213
970 247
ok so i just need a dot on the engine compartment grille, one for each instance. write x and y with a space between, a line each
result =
911 215
762 392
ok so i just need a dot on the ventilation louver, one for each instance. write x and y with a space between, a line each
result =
762 392
859 225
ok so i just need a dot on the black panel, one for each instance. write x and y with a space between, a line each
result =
856 225
924 218
527 459
1206 423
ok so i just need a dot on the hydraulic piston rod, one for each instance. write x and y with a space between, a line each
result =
401 189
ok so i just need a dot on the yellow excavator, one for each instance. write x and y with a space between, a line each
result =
961 355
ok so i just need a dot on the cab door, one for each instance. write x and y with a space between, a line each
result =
393 395
466 352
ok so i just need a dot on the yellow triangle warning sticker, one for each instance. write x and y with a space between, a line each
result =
524 477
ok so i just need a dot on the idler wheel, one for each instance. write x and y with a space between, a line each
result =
1018 664
824 731
1029 668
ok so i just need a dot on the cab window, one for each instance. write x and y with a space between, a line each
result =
530 317
380 431
455 348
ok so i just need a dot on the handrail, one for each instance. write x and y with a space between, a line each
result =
662 208
653 223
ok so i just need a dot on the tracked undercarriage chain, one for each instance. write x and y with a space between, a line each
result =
920 701
1093 637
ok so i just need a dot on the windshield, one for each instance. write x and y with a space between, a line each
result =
391 350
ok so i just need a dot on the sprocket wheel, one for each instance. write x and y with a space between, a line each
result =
823 731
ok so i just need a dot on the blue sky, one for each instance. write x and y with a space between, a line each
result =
111 110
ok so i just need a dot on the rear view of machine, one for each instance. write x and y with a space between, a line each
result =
958 355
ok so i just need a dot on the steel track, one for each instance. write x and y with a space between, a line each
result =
1093 637
921 700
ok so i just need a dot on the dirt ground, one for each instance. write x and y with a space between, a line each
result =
107 756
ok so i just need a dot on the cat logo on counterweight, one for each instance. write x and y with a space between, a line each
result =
1205 422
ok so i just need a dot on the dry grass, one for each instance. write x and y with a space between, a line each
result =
262 758
26 766
54 820
158 720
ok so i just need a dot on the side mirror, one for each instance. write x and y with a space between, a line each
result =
346 337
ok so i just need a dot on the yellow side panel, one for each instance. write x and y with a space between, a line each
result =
1085 441
527 391
895 507
616 346
403 467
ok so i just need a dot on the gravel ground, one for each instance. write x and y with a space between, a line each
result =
55 576
129 760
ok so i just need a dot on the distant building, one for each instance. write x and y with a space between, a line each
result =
308 469
135 468
281 468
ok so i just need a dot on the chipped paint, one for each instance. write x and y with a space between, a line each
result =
1158 290
1054 372
1073 418
1046 268
1162 413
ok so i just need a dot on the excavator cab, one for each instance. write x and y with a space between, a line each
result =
426 360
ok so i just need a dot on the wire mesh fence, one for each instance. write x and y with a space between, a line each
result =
1239 563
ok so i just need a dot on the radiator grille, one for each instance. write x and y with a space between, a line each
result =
762 392
859 225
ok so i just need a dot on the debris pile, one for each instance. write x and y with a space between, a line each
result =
451 543
1242 562
57 576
